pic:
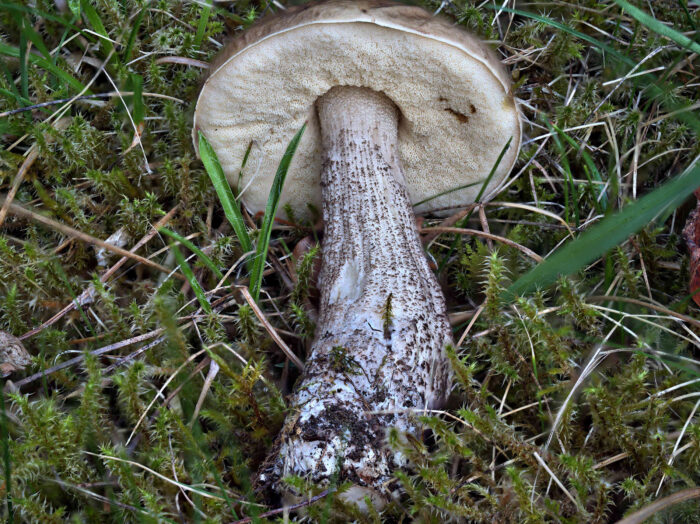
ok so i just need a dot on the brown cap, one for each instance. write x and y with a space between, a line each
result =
457 110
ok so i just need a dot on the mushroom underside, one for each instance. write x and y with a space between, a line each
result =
457 112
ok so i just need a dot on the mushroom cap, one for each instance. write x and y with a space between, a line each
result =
457 111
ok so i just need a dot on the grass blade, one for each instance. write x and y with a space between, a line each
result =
610 232
482 190
189 245
657 27
23 72
244 163
493 170
601 203
270 211
189 275
223 190
91 14
74 6
138 113
202 25
43 63
452 190
33 11
563 27
570 201
7 462
35 38
126 55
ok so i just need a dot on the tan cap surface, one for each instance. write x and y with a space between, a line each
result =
457 111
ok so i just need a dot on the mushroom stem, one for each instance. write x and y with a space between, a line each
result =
379 350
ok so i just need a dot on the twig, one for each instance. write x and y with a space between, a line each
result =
20 211
183 60
133 355
611 460
457 318
660 309
153 232
470 325
485 226
476 232
90 290
271 330
32 155
293 507
28 162
655 507
111 94
450 221
80 358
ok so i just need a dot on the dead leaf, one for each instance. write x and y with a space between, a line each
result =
137 136
13 356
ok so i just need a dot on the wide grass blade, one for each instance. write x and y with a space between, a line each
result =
189 275
16 7
32 36
658 27
223 190
270 212
189 245
135 84
610 232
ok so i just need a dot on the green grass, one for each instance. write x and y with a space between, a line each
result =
230 205
200 254
270 212
601 336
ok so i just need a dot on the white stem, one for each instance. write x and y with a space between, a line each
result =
382 329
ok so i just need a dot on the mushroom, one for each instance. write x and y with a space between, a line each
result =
401 106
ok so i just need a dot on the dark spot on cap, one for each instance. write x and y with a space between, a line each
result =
459 116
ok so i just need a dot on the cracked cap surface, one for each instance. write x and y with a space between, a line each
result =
457 110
